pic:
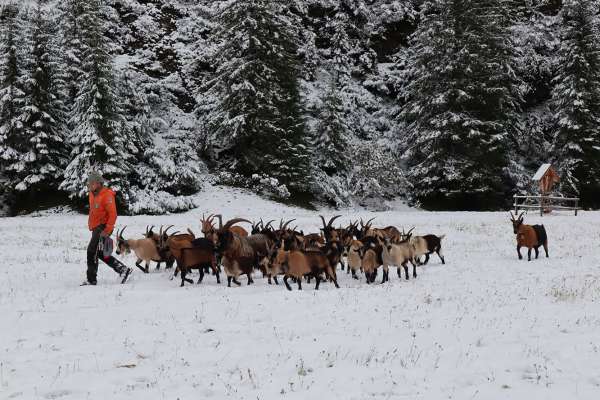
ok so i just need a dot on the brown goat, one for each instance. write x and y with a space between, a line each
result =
291 264
198 254
165 254
237 252
530 236
210 231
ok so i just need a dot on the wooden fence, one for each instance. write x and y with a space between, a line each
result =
545 203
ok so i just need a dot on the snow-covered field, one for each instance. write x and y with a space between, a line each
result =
483 326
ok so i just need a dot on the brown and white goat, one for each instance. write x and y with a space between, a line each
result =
530 236
426 245
145 249
398 254
353 257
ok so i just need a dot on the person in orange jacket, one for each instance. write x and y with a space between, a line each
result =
101 222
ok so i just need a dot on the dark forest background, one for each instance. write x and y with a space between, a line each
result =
450 104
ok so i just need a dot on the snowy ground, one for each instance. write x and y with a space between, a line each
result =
483 326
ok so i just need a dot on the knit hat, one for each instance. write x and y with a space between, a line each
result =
95 176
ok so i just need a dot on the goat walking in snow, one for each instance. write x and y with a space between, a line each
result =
426 245
530 236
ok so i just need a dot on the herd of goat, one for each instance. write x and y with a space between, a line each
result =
284 251
295 255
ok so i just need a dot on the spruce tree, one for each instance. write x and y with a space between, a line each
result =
14 152
42 115
330 139
461 101
255 122
100 137
340 47
576 101
71 42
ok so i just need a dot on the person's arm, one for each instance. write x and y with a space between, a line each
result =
111 209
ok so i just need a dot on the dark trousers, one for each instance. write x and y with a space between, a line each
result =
94 254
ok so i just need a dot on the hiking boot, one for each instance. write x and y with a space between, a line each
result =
125 275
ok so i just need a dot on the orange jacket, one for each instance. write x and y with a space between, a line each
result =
103 210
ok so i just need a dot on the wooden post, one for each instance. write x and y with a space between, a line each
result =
541 206
516 204
576 206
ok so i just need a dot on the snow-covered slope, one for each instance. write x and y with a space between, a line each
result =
485 325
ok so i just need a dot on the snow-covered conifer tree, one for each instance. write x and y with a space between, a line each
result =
100 138
461 101
42 116
14 147
576 101
256 124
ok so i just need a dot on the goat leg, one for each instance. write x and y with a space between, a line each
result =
537 252
439 253
157 266
250 280
299 284
147 269
139 265
275 279
405 270
234 279
546 249
229 281
287 285
318 282
519 252
414 268
201 275
529 254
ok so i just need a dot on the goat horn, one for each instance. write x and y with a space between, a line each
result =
269 224
230 223
168 227
411 229
369 221
210 219
287 223
122 230
323 219
333 219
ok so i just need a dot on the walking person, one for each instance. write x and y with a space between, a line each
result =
101 222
